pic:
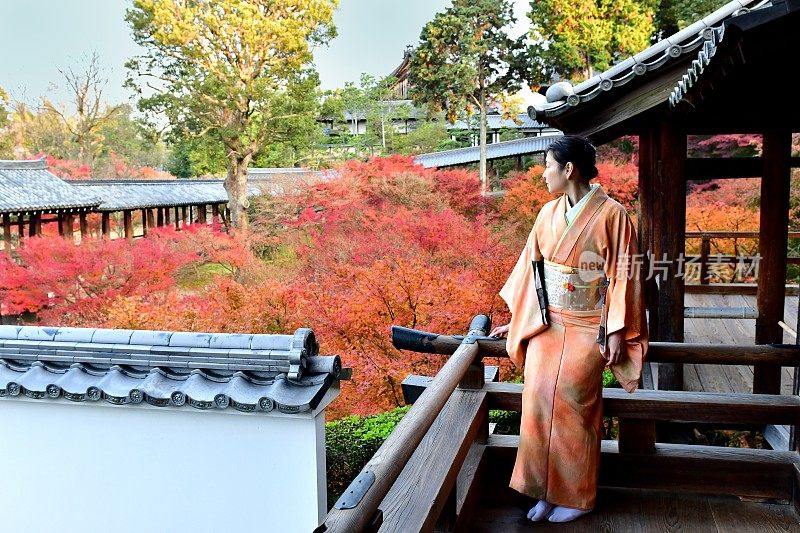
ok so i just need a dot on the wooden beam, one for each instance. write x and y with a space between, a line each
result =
127 220
679 467
707 168
670 244
417 498
469 487
674 406
772 245
7 233
106 224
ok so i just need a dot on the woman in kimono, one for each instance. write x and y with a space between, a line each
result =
587 314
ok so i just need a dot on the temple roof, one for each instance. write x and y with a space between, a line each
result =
118 195
635 92
29 186
250 373
462 156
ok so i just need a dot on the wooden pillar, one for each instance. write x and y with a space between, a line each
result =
84 226
184 216
649 150
151 218
7 233
69 226
20 226
127 219
772 242
32 224
144 222
159 217
177 218
201 213
60 217
669 243
215 213
38 224
167 216
106 224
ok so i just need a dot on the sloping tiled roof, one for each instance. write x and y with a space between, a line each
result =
29 186
166 369
118 195
715 40
562 97
495 122
463 156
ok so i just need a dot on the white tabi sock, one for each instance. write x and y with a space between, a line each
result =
565 514
540 510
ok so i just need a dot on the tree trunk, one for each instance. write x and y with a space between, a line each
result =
482 141
236 187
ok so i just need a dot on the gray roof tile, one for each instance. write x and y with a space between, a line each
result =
119 195
676 46
285 372
462 156
29 186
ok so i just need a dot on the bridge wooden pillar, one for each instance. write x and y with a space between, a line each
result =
7 233
84 225
105 224
772 242
127 219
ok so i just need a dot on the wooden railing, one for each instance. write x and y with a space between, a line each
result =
704 258
410 483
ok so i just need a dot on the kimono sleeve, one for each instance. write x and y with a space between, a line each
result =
625 306
519 293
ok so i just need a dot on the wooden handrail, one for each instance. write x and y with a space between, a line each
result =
674 406
659 352
732 234
381 472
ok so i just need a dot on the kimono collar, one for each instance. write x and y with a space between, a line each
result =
572 232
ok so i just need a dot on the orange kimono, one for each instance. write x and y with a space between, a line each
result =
560 433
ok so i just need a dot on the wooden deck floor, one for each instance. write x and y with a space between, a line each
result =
726 378
633 510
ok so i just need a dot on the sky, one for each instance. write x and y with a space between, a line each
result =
57 34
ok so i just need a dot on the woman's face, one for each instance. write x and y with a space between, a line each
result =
556 176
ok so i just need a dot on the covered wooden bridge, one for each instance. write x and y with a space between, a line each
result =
31 196
441 469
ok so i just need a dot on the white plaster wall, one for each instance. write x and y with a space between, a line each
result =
82 467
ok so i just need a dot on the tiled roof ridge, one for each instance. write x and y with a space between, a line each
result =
23 164
564 96
250 372
709 49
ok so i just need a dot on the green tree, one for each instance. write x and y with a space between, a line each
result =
573 38
6 140
223 65
673 16
464 60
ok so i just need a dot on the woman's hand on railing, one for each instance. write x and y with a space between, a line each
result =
615 347
500 331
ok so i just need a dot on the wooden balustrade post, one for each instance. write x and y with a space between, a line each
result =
637 436
705 249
